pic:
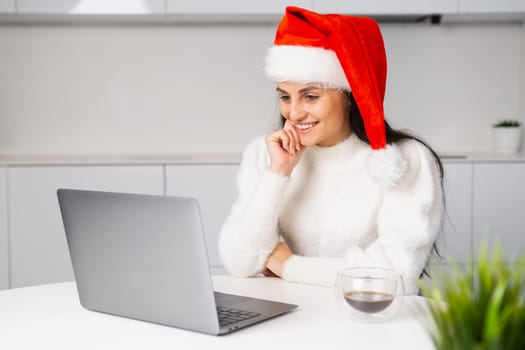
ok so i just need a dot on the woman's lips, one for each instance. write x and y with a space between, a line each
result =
304 128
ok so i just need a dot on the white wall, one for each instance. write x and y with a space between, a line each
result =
451 83
201 89
522 76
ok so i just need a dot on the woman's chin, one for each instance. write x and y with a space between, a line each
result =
307 141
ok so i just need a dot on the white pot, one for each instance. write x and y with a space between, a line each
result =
507 139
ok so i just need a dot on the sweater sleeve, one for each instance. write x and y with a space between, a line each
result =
250 232
408 221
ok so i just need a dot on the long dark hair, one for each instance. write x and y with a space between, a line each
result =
392 136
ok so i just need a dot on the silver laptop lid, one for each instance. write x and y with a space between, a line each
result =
120 267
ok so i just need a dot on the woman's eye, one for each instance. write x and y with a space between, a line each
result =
311 97
284 98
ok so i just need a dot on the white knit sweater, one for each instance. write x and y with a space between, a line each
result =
342 206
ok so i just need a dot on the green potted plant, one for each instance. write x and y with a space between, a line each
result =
507 136
483 308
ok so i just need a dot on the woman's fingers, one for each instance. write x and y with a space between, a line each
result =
279 139
288 138
297 139
277 258
294 134
290 144
285 140
268 273
284 150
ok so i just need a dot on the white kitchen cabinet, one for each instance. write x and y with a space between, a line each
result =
499 206
456 239
386 7
88 7
39 251
214 186
491 6
4 253
233 7
7 6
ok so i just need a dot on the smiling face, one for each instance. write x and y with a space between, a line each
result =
319 115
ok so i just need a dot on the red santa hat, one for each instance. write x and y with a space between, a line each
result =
339 51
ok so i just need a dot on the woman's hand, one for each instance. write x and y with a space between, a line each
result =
275 263
285 149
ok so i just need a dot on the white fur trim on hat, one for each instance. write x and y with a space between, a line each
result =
305 65
387 165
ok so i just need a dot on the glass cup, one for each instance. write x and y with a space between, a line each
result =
369 293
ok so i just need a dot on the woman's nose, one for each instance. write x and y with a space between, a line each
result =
296 112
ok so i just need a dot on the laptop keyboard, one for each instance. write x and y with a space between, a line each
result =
228 316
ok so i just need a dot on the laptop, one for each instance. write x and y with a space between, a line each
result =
144 257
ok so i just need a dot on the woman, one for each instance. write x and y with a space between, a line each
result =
336 187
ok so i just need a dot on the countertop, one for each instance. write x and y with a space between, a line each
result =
482 157
208 158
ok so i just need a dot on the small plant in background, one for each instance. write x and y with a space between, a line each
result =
484 308
507 123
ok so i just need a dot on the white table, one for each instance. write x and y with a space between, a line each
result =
50 317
